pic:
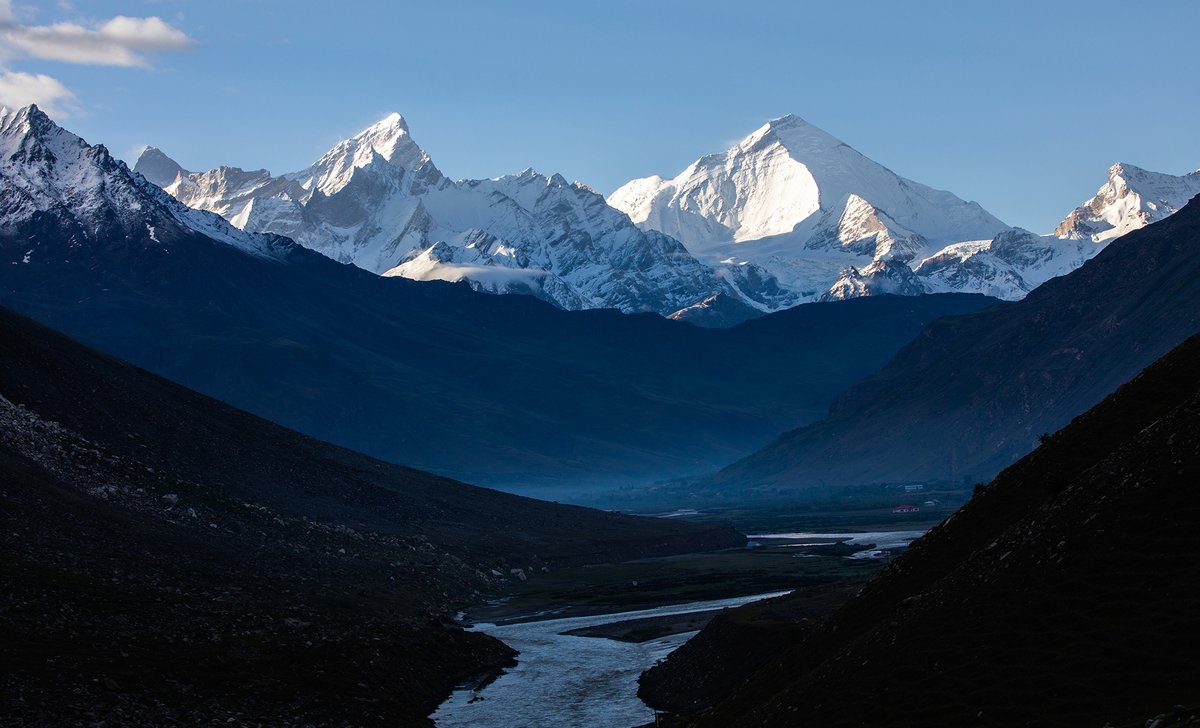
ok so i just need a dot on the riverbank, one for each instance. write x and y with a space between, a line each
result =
649 583
648 628
562 678
584 635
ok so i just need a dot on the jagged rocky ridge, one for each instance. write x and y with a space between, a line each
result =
503 390
823 222
1063 593
378 201
49 171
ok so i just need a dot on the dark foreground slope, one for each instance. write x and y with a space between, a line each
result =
972 393
165 557
1064 593
504 390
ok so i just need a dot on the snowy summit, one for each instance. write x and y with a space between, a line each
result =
790 214
378 201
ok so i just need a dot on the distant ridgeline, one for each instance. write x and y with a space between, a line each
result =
510 391
502 390
788 215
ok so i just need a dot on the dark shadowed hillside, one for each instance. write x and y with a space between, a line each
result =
1065 593
168 558
501 390
972 393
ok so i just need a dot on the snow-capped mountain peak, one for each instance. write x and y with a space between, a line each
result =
789 214
386 141
45 165
801 138
821 219
802 204
47 169
1131 198
388 137
157 167
376 200
881 277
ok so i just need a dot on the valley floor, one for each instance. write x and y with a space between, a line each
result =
585 634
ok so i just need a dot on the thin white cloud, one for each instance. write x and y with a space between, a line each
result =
119 41
21 89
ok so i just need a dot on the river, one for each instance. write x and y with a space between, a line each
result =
566 680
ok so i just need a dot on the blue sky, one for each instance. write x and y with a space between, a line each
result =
1017 105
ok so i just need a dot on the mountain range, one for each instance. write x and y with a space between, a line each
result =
789 215
547 396
354 301
800 206
973 393
499 390
377 201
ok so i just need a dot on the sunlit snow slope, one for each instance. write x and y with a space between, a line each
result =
376 200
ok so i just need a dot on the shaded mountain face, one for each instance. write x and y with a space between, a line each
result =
162 550
824 222
972 393
497 389
376 200
158 168
1063 593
